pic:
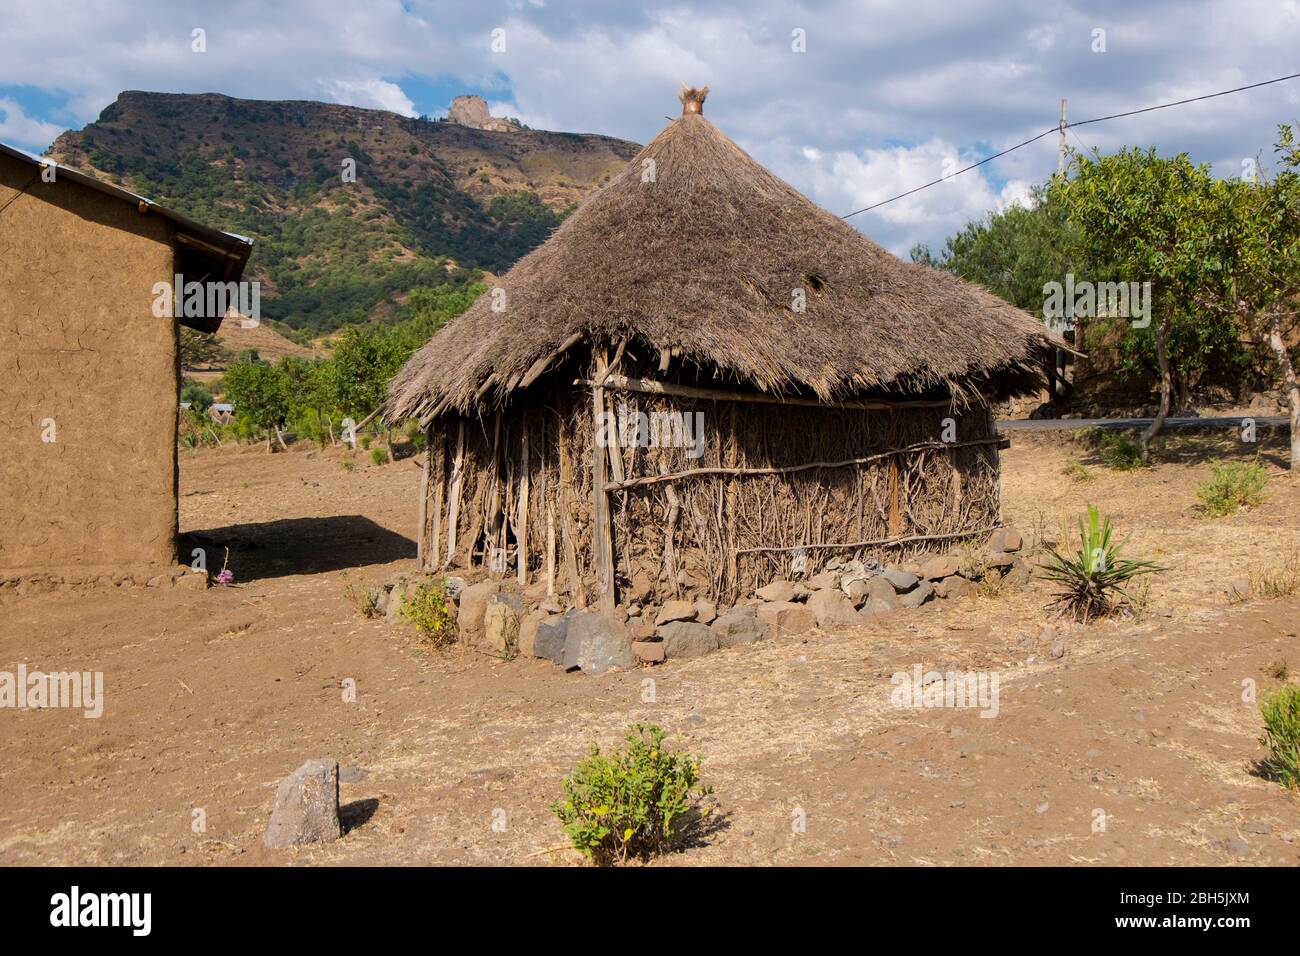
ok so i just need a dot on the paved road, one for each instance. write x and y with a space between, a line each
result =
1071 424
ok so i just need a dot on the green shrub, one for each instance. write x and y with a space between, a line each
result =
1076 471
365 600
1119 451
1281 712
1232 485
626 803
1093 581
378 456
429 609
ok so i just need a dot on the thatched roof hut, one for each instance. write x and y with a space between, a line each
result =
721 290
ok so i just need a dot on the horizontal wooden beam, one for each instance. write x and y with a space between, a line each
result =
878 542
624 383
788 469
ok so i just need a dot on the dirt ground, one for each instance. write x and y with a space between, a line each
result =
1135 747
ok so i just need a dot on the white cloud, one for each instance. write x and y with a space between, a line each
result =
373 94
18 128
843 181
884 88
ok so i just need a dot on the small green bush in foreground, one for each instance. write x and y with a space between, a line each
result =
627 803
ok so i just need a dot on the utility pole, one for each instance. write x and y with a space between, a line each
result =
1060 142
1059 383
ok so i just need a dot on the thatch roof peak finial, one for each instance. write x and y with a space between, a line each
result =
692 98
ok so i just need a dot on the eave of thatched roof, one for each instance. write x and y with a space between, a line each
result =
696 250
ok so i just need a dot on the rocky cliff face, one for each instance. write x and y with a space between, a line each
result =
472 111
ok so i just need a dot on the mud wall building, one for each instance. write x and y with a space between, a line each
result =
89 374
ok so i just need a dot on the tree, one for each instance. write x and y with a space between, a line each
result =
1262 280
1015 253
1012 253
260 395
1157 220
199 349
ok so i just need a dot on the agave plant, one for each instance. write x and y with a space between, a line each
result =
1093 581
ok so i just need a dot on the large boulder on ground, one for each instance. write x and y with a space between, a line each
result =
1017 576
823 581
940 567
641 628
648 652
306 808
595 643
548 642
687 639
1006 539
740 625
856 589
394 600
880 602
832 608
998 559
953 587
924 591
786 617
528 631
473 604
500 631
873 587
777 591
900 579
676 611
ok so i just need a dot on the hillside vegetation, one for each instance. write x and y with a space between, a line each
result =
432 202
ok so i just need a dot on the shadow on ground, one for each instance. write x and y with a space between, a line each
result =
273 549
357 813
1187 447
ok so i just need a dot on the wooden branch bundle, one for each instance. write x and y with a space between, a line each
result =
789 469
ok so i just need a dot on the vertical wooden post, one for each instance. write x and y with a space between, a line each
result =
521 526
733 492
564 449
457 481
602 545
422 512
895 511
436 465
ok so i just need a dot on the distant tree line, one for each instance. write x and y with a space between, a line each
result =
312 398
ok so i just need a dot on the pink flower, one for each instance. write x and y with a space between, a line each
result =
225 576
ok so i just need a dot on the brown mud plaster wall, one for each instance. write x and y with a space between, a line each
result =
79 344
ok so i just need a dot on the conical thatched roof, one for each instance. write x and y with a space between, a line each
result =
695 248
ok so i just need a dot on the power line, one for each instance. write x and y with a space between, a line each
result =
1055 129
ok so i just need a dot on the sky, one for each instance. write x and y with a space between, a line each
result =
852 102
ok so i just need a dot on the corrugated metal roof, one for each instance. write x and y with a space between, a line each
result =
231 244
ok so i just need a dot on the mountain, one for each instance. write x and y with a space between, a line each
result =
431 200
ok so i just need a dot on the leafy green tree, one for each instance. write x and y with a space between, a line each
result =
197 394
1262 281
198 349
1157 220
260 395
1013 253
